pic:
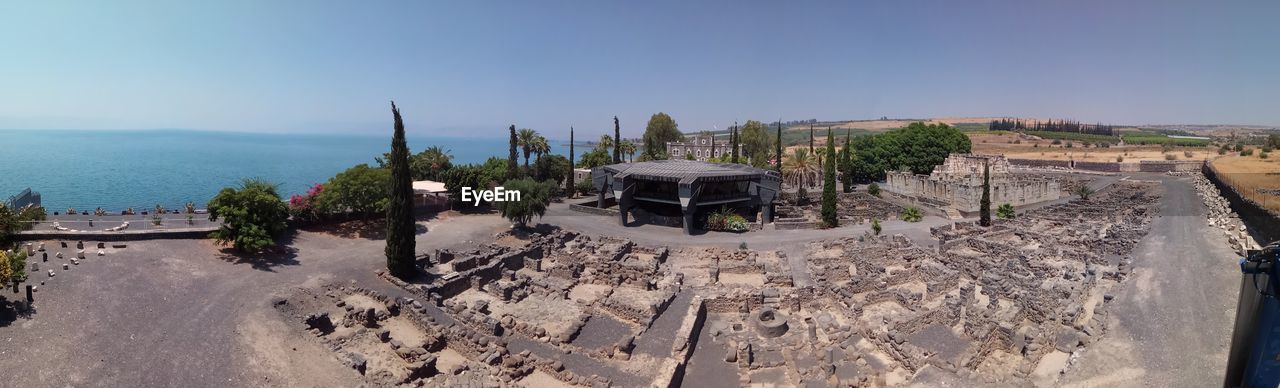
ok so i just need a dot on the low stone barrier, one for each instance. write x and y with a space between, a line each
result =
128 235
1264 225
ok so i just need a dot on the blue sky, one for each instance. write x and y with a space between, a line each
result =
471 68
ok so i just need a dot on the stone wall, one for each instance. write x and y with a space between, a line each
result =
1041 163
965 197
1263 225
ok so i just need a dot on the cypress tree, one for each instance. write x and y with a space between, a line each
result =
513 169
846 164
811 140
400 227
573 187
617 141
733 142
778 144
984 207
829 186
713 144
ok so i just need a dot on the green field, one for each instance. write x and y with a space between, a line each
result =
1073 136
1130 137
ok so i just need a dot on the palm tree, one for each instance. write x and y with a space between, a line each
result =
540 147
606 143
801 169
431 162
628 148
525 138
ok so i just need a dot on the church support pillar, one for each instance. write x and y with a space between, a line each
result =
689 204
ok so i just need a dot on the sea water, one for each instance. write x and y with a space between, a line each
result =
115 170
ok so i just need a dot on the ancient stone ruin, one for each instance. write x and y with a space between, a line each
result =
957 184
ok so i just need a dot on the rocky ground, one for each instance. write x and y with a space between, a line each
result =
186 313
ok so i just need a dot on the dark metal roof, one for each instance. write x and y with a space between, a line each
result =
686 171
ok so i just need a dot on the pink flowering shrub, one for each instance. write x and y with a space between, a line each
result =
303 207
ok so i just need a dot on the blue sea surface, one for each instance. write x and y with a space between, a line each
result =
117 169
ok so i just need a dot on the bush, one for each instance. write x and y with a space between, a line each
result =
742 245
1170 157
875 226
534 197
1188 154
912 214
1120 159
1263 155
362 190
725 220
253 215
1055 142
584 187
1006 212
1248 152
306 208
873 189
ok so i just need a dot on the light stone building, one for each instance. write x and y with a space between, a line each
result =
700 146
956 184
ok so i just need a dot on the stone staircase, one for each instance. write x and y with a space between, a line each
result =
952 213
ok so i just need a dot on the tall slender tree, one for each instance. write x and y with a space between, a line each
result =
400 227
846 164
778 144
513 168
811 138
984 207
713 144
617 141
573 188
733 142
829 217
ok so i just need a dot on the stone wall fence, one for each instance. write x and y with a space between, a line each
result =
1263 224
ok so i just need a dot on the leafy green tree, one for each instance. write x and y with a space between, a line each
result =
400 225
595 158
829 216
8 223
552 168
470 175
1006 212
756 143
912 214
875 226
918 147
6 272
660 130
534 197
984 205
253 215
361 190
18 265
